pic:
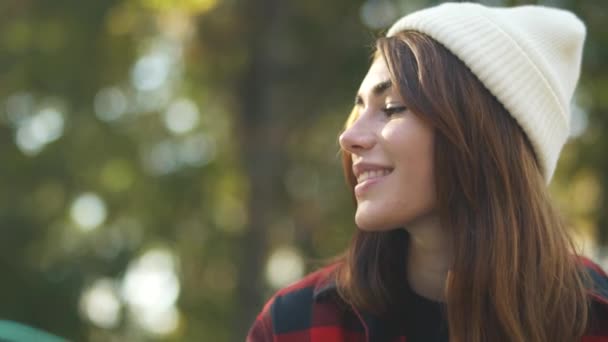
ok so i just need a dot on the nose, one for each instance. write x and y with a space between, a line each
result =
356 138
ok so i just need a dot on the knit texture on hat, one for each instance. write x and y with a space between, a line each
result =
529 57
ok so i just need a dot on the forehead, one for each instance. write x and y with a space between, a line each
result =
378 72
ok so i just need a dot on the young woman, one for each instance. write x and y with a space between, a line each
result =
455 134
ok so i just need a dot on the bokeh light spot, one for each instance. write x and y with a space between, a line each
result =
284 266
88 211
100 304
151 71
110 104
182 116
151 288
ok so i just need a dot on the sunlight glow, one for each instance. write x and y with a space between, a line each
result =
151 288
182 116
35 132
284 266
100 304
159 322
151 71
110 104
88 211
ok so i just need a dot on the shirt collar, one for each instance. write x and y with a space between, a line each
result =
325 288
598 292
599 285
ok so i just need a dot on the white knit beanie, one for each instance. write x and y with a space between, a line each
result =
529 57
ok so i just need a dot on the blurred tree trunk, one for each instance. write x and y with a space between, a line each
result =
260 131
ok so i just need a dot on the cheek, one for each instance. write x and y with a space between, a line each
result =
417 163
410 192
411 148
414 193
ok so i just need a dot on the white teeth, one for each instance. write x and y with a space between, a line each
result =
372 174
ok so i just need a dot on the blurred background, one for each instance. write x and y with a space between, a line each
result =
167 165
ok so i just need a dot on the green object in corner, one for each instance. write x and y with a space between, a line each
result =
16 332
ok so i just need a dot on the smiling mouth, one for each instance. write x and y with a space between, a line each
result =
372 174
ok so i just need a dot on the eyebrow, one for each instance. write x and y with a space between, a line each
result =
377 90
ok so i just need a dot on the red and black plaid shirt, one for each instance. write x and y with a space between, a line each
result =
311 311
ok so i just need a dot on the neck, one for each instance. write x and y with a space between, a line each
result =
429 258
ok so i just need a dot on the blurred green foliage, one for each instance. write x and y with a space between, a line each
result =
181 156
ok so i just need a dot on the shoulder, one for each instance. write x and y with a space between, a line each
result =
291 305
598 295
289 310
598 289
313 282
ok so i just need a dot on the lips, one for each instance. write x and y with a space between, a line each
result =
365 175
369 175
364 171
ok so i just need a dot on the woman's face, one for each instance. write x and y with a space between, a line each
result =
392 156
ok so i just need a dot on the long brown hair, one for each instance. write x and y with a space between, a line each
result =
515 274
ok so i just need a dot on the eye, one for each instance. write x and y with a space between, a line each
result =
392 110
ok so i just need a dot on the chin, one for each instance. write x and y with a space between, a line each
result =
370 224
